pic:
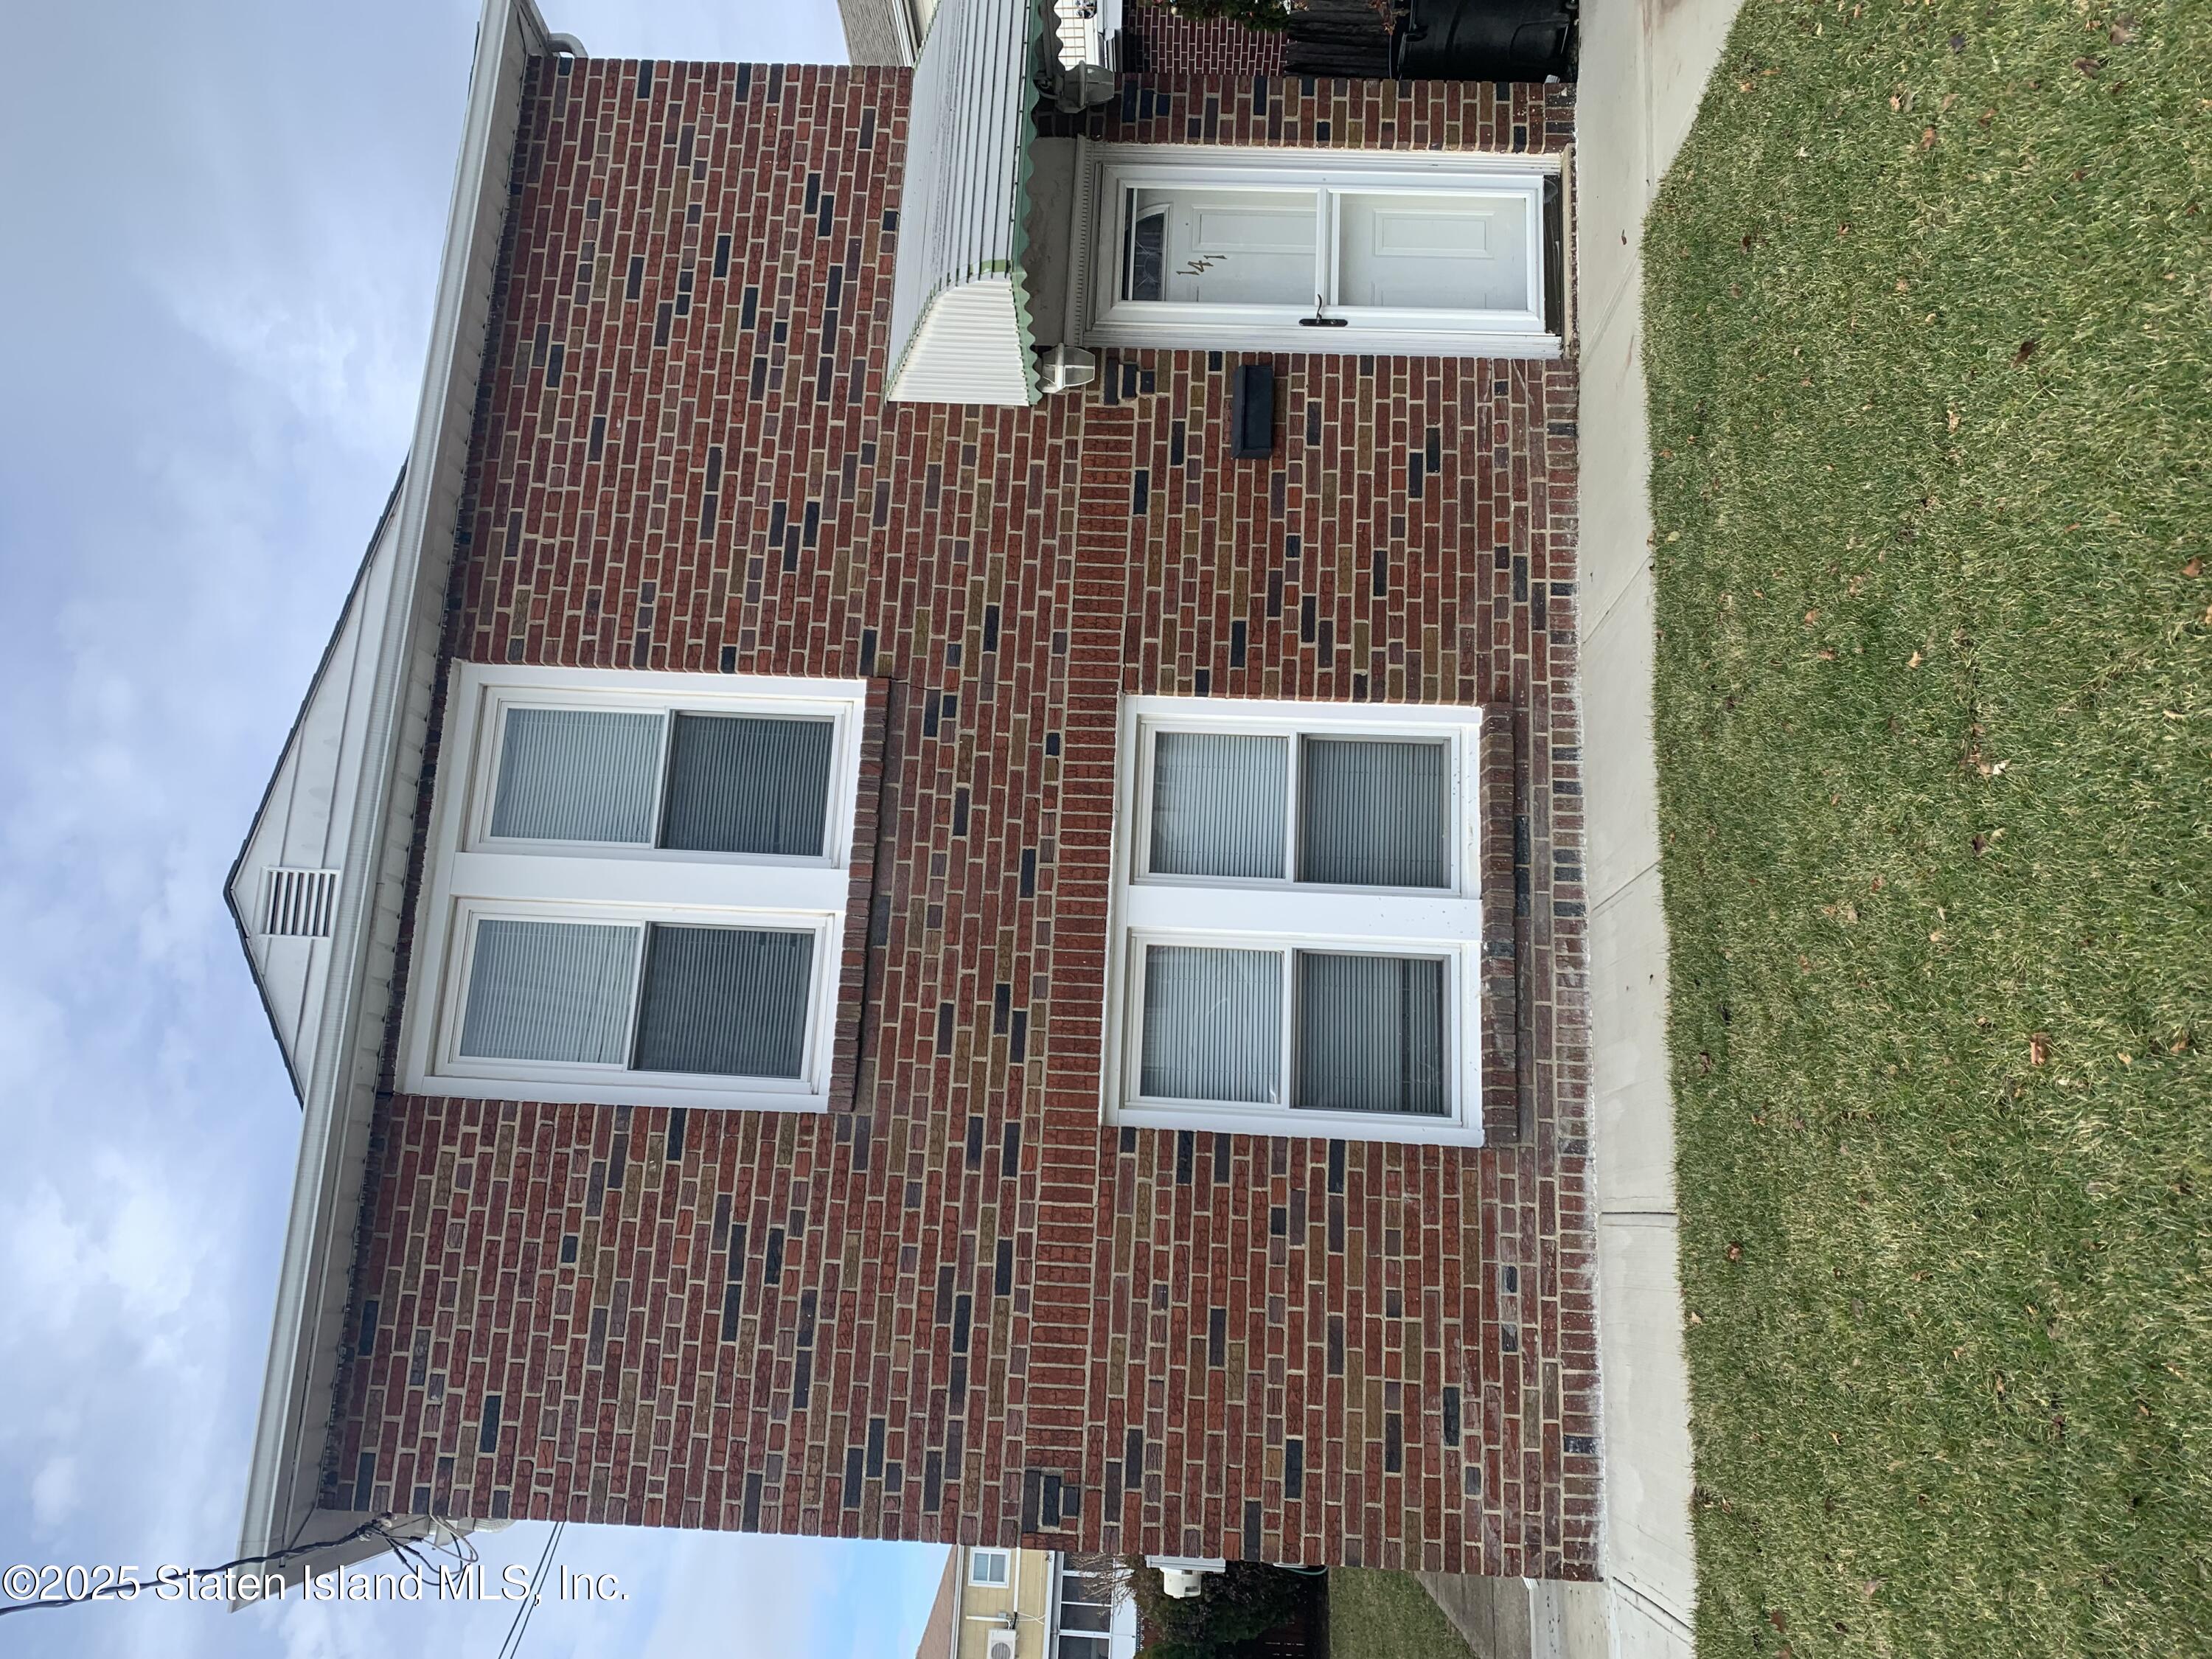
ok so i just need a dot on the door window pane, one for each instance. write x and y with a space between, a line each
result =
1438 252
1210 246
1219 804
1213 1024
1372 1035
1074 1645
725 1001
577 775
550 991
1079 1586
1373 813
742 784
1075 1616
1146 277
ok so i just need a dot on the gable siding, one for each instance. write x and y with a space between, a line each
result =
956 1307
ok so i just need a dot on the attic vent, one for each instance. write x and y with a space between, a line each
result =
298 904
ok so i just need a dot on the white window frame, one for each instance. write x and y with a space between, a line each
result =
1108 173
1287 915
979 1554
470 876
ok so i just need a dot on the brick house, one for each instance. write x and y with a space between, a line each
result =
932 888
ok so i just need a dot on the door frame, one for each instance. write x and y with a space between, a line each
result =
1107 171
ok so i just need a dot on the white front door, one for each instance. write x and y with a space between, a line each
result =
1310 251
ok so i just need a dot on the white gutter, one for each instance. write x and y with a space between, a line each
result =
299 1394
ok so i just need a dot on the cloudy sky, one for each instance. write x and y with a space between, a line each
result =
222 225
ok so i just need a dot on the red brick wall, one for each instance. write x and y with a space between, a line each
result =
1168 45
962 1309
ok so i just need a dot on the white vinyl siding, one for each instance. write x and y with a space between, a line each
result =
637 889
1296 923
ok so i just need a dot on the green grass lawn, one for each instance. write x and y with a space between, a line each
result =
1929 340
1386 1615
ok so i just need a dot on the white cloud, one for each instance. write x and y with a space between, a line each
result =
126 1242
53 1492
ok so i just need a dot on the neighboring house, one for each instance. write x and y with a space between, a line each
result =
1026 1604
871 947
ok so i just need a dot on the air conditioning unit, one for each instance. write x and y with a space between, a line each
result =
1000 1645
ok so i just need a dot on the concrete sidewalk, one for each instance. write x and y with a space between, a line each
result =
1645 64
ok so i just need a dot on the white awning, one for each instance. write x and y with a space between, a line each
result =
960 307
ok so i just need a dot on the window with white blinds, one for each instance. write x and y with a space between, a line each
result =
1298 920
637 890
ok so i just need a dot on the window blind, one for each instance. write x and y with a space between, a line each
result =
725 1001
1220 803
742 784
1213 1024
550 991
577 775
1373 813
1370 1035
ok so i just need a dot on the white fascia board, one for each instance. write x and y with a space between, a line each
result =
393 676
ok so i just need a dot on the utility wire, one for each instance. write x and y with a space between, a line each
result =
520 1627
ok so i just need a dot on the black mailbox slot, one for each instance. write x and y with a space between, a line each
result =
1252 412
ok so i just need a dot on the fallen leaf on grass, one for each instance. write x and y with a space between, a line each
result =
1915 661
2089 66
1735 1251
2038 1048
2026 350
2194 567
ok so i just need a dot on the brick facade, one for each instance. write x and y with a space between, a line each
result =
958 1308
1158 43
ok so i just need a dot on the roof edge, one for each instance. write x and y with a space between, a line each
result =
284 1475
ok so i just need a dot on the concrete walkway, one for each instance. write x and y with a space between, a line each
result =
1645 64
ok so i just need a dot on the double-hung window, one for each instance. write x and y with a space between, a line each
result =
1317 251
637 888
1298 920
